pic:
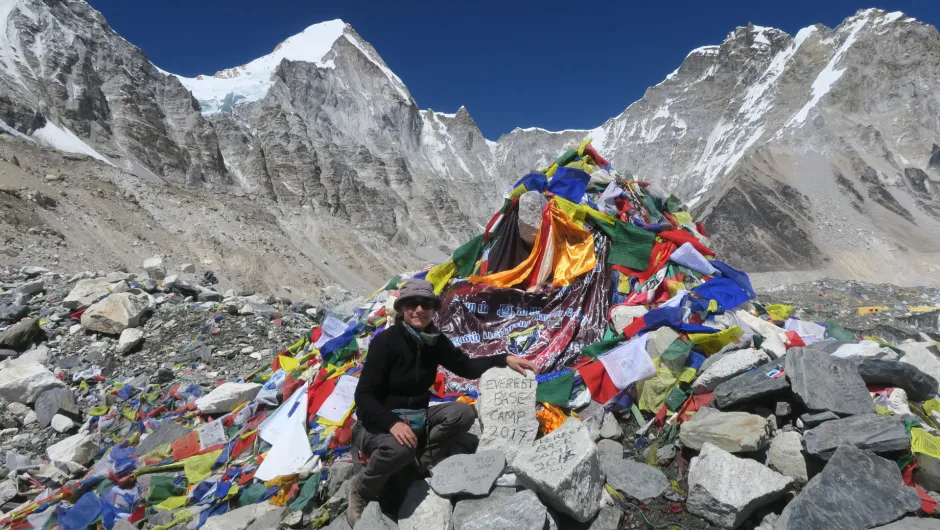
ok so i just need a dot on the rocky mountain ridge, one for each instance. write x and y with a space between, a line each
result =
806 153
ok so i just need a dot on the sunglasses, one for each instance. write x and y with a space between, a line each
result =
425 303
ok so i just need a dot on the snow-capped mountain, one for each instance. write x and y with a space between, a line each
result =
803 152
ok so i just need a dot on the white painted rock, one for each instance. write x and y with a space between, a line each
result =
130 338
507 411
80 448
563 468
725 489
729 365
227 396
117 312
423 509
23 382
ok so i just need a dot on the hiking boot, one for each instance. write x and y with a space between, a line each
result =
356 502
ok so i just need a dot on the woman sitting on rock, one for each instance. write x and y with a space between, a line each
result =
392 396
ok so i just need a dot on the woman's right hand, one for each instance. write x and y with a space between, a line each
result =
404 435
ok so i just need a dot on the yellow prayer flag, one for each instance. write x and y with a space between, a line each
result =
441 274
572 210
99 410
932 405
289 364
599 215
583 145
198 468
172 503
925 443
779 311
871 309
713 342
687 375
517 191
682 218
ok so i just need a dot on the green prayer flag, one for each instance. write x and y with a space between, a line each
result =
307 493
162 487
251 494
465 257
602 347
631 247
757 340
679 348
835 331
609 229
556 391
566 157
675 399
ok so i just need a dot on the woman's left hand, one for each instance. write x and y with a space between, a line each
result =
519 364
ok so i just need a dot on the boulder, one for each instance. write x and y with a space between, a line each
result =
918 385
855 490
209 296
530 215
13 312
735 432
7 491
166 433
154 267
609 447
24 382
33 270
636 479
871 432
86 292
338 473
62 424
925 356
129 339
822 382
726 490
751 386
507 411
32 287
20 335
608 518
423 509
731 364
373 519
188 267
786 456
227 396
59 400
912 523
254 516
467 474
520 511
79 448
927 472
811 420
117 312
610 428
564 470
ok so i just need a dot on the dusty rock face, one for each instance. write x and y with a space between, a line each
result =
116 313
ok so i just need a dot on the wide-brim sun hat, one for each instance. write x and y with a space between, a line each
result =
416 290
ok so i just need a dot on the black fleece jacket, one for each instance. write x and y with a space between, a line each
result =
398 374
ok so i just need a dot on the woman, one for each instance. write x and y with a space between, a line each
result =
393 394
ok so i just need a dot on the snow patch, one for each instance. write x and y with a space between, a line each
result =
704 50
830 74
65 140
10 55
250 82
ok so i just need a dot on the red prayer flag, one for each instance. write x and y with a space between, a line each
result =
794 339
186 446
598 383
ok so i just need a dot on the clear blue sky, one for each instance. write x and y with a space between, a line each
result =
520 63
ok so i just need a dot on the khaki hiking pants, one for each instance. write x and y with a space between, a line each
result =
443 425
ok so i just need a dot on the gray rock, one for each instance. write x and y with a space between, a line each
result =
31 287
339 472
637 480
117 312
520 511
610 428
734 432
564 469
33 270
246 517
465 509
166 433
20 335
227 396
783 409
13 312
7 491
855 490
507 411
786 456
609 447
79 448
188 267
62 424
871 432
811 420
339 523
530 215
822 382
86 292
24 382
751 386
154 267
467 474
609 518
129 340
56 401
912 523
918 385
731 364
423 509
726 490
373 519
927 472
209 296
925 356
